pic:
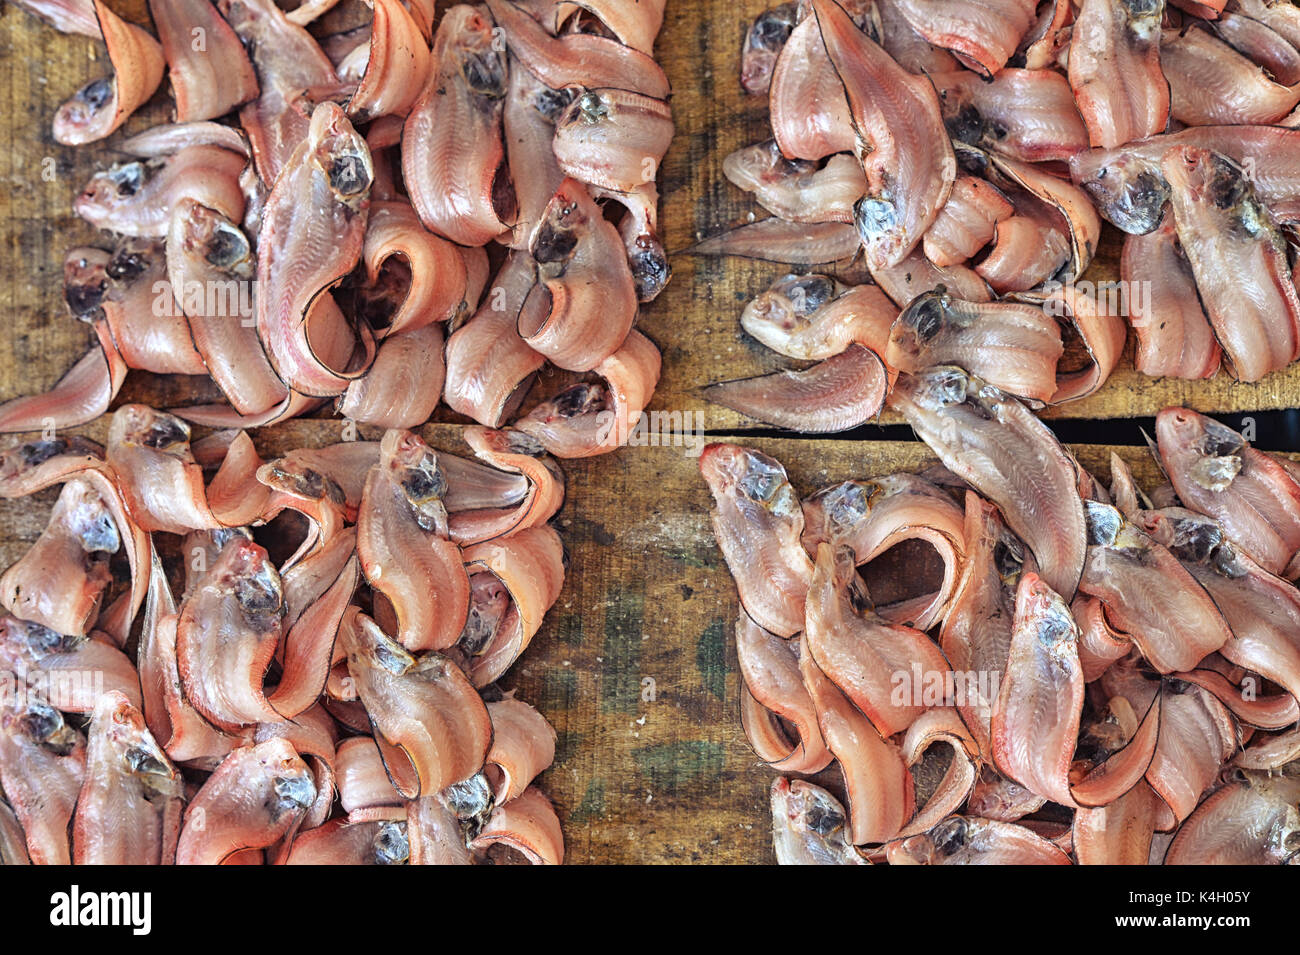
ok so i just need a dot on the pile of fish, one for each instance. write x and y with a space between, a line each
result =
203 650
338 236
343 616
1006 661
969 151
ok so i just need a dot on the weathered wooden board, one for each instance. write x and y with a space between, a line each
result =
697 320
635 666
652 771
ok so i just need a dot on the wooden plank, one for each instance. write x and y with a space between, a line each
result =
667 779
697 320
646 772
674 777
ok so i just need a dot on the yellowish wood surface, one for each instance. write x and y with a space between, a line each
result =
635 665
697 320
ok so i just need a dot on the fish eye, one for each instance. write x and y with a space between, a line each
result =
165 431
96 93
874 216
392 844
127 178
127 265
227 246
551 103
258 593
950 835
592 108
484 75
141 762
926 316
348 174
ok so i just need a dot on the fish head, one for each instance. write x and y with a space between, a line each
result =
88 518
1041 607
293 787
763 44
91 108
472 800
834 511
244 570
369 648
650 267
392 844
413 466
759 479
1193 538
946 839
565 223
1128 189
489 600
479 55
809 826
112 188
29 639
939 387
1207 451
777 315
581 399
879 221
340 155
1217 182
298 479
39 723
919 324
207 234
1144 17
763 164
127 734
1211 177
1104 523
140 426
85 280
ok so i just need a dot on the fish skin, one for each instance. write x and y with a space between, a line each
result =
860 651
758 522
1251 494
1114 70
836 394
901 140
1035 721
1224 229
1001 449
981 34
1174 335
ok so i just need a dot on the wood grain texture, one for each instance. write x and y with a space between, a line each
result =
697 320
668 779
635 665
